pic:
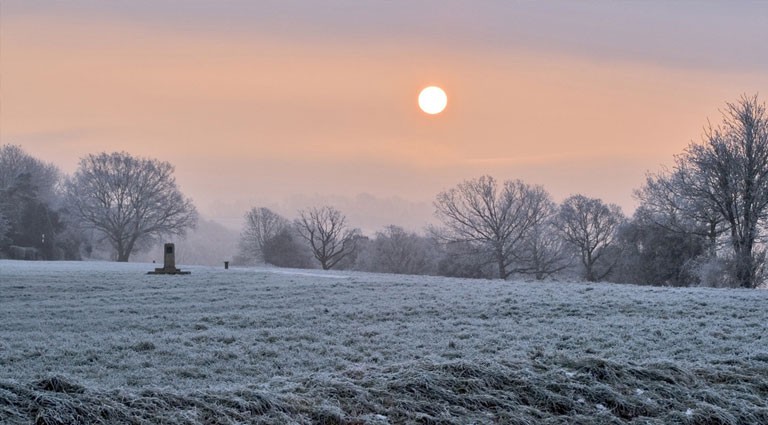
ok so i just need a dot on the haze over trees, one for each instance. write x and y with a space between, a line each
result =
129 200
395 250
208 243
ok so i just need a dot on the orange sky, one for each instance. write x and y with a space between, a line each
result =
249 117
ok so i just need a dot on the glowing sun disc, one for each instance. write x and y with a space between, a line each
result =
432 100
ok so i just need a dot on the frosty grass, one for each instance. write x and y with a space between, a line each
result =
97 342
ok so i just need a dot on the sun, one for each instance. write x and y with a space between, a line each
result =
432 100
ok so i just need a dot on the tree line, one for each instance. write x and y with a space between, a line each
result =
700 222
487 230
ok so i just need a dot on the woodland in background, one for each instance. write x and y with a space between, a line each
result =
701 222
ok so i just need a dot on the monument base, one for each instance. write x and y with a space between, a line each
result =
168 270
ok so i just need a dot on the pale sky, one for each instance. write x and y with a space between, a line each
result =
286 103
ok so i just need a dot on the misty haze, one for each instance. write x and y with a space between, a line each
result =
284 212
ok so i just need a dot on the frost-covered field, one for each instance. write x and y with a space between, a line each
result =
105 343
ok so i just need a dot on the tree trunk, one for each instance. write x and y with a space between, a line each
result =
712 238
745 265
123 252
502 266
590 275
589 265
745 269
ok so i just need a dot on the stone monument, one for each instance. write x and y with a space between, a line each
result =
169 261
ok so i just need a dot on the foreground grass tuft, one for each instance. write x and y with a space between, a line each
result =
58 384
549 390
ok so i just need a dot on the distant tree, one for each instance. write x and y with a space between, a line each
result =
285 249
590 226
129 200
490 219
394 250
325 229
728 174
261 225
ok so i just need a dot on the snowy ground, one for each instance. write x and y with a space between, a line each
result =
91 340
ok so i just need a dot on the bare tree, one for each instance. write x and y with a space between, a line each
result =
394 250
728 174
542 252
666 201
325 229
590 226
261 225
493 220
128 199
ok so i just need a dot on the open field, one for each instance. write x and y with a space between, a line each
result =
105 343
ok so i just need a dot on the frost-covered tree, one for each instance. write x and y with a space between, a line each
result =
665 201
261 225
728 174
326 231
491 219
30 201
130 200
590 226
42 176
